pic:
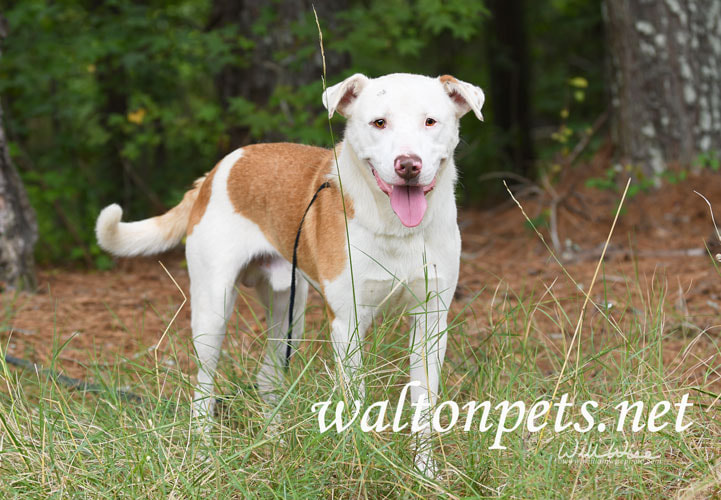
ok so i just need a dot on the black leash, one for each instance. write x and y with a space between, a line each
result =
81 385
72 383
289 344
89 387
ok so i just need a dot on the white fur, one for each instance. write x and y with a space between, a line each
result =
129 239
393 266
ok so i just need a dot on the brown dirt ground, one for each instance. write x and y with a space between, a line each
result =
660 238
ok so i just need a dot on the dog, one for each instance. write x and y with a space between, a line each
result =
379 229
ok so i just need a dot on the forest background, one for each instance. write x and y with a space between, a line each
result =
129 102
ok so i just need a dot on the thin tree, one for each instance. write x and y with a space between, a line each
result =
509 67
18 229
256 79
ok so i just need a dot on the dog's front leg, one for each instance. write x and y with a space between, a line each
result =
427 351
347 337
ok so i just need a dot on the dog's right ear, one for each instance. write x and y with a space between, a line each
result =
341 95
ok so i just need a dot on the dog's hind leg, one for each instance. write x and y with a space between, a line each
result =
212 296
274 292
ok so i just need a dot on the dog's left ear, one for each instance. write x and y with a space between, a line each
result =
340 96
465 96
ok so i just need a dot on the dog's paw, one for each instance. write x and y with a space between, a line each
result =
202 427
426 465
274 428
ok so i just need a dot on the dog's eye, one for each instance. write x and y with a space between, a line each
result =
380 123
430 122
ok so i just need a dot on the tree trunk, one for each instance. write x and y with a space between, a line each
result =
665 72
256 80
510 77
18 229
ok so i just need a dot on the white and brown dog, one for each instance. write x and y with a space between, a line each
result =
390 237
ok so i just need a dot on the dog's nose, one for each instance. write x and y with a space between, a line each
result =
408 166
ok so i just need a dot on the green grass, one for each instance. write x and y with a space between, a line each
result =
59 443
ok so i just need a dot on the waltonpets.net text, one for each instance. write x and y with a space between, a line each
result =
510 416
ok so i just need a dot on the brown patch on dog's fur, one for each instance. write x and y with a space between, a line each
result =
272 185
173 224
203 186
447 79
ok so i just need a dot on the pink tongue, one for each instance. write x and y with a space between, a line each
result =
409 204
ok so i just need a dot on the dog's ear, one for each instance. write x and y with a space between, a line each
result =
341 95
465 96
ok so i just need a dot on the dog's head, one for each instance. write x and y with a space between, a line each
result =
404 127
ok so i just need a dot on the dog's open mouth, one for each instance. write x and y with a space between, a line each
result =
408 201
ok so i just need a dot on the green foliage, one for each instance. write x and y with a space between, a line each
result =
67 74
540 221
399 33
614 179
566 44
117 102
675 176
708 159
606 183
570 140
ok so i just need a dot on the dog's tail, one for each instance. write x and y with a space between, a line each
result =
148 236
